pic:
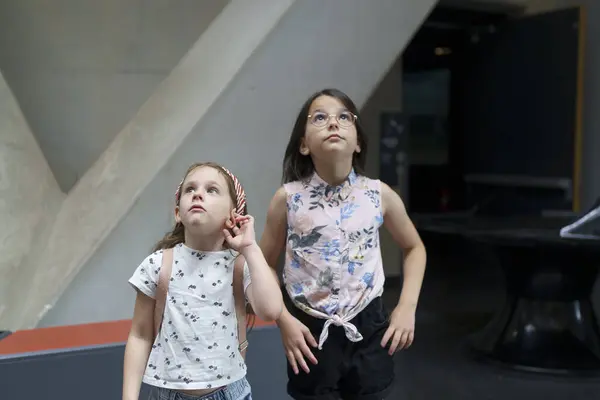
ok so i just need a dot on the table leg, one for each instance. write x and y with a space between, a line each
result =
547 323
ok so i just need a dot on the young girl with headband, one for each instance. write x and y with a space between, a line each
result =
327 217
187 338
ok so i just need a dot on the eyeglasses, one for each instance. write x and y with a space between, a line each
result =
320 119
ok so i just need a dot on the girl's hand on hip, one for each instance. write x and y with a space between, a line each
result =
243 232
401 330
296 337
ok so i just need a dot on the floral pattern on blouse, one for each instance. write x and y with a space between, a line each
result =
333 266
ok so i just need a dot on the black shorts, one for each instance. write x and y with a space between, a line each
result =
348 370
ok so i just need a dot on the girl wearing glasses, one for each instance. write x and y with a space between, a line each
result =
327 217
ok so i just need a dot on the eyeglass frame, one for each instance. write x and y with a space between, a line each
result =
355 118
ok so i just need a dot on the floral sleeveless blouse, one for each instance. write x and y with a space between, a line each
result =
333 266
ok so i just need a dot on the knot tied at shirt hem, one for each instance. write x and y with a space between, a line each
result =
351 331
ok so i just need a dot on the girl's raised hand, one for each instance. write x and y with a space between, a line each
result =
243 232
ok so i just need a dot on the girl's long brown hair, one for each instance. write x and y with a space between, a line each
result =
177 233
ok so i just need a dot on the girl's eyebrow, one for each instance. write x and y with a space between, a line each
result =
323 111
211 182
188 185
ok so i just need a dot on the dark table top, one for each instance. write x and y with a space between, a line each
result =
515 231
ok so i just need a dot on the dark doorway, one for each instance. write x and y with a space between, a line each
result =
492 102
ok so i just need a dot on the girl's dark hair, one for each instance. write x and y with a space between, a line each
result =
299 167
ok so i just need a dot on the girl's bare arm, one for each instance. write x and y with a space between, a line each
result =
240 301
263 292
139 344
272 241
296 336
403 231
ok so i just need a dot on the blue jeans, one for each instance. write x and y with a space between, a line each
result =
239 390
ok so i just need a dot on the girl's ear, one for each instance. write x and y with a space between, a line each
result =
177 215
303 148
230 222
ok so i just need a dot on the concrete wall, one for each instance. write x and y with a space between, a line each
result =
80 69
29 196
104 195
247 129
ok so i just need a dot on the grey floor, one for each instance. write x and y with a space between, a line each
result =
457 299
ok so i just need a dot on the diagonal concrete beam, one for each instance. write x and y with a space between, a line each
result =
29 197
109 189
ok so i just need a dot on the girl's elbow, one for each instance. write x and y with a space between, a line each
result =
271 312
416 247
423 249
270 315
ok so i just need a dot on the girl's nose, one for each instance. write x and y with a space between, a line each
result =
198 194
333 124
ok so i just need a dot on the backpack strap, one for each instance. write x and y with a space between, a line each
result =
164 277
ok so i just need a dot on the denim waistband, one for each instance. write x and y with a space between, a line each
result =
234 391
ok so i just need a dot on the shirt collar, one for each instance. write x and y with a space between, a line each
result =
321 185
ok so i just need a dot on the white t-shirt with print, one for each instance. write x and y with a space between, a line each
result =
197 346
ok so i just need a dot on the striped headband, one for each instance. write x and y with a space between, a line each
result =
240 194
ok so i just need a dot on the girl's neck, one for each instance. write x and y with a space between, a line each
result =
334 173
204 243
